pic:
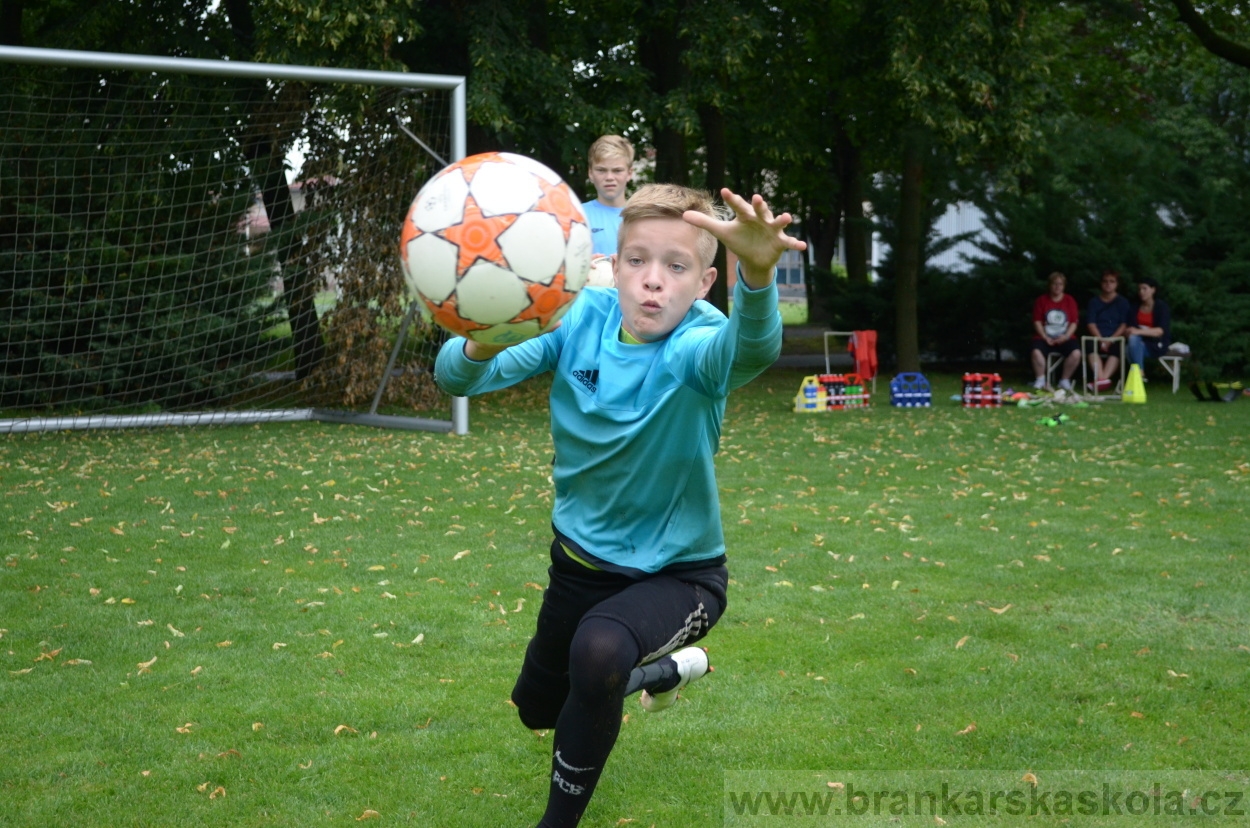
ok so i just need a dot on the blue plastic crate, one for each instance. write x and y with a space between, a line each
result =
910 391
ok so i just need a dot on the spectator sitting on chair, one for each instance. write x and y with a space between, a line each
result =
1054 322
1108 317
1151 330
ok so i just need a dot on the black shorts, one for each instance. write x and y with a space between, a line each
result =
1063 348
663 613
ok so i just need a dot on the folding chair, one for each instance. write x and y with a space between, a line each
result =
1088 345
1172 364
1053 360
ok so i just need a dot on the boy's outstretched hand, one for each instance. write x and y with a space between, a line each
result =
755 235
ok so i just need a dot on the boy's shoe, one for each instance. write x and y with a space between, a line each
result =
1101 384
1065 384
691 664
1039 383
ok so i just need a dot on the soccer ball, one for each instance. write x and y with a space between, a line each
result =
497 247
601 273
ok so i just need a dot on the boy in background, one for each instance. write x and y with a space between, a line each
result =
611 167
641 375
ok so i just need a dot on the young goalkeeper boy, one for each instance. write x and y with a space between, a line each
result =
641 374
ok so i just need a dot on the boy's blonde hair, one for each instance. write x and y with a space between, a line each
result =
670 201
611 146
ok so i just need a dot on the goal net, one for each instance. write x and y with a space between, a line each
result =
187 241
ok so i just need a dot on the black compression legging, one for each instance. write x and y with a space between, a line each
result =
601 659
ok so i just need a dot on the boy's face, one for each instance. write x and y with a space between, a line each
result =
610 175
659 275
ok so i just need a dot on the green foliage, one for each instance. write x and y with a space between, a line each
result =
970 72
1154 197
1097 132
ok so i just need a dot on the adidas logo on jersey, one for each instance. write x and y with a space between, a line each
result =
590 379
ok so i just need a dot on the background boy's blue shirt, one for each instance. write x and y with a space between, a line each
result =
635 426
604 223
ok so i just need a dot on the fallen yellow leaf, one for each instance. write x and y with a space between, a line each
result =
961 642
368 814
971 728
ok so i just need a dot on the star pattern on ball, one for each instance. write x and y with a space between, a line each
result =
545 302
477 237
558 201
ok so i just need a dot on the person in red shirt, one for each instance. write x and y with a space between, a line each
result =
1151 330
1055 317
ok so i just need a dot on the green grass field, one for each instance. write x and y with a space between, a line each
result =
311 624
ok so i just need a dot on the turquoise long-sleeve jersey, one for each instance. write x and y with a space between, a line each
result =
635 427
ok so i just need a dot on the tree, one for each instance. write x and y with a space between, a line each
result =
1144 171
968 78
1223 47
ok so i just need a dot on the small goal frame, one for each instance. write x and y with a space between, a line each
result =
64 58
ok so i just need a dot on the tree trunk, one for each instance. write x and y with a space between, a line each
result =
299 286
908 255
660 47
821 229
267 155
857 229
538 23
713 123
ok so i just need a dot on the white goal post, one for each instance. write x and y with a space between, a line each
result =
188 241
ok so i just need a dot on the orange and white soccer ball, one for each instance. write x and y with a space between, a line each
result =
497 247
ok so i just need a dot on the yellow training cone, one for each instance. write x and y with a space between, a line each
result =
1134 389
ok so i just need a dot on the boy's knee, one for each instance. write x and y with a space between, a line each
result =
537 715
539 694
602 655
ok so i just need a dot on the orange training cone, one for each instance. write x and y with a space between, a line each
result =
1134 388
